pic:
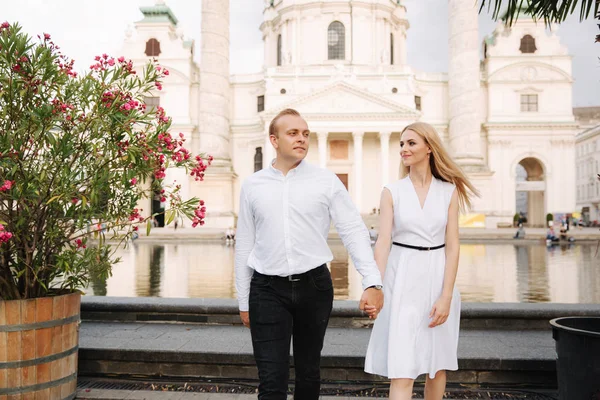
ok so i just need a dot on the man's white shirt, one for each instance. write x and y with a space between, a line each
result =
284 221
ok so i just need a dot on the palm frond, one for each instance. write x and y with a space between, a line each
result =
550 11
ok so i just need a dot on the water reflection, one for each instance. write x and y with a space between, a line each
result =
487 272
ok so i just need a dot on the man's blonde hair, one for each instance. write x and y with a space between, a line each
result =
287 111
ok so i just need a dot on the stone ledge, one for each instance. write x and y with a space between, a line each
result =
345 313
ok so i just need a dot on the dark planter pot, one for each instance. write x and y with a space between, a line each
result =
578 363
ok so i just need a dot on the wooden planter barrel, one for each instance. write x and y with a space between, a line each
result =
39 339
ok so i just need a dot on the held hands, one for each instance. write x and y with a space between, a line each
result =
439 311
245 316
371 302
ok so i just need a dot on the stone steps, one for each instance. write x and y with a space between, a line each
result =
190 350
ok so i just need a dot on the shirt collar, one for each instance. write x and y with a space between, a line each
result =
299 168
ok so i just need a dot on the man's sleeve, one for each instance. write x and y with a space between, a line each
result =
244 243
354 233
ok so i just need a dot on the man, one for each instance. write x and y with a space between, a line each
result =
283 284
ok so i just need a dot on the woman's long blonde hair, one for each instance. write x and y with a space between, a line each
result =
442 165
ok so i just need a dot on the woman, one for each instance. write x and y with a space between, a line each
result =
417 254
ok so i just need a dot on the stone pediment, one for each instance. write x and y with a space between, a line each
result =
529 72
343 99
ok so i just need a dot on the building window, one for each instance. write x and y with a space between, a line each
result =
260 103
338 149
529 102
336 41
258 159
278 50
418 102
151 103
527 44
152 48
391 49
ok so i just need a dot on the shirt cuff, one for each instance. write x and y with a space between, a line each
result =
371 280
243 305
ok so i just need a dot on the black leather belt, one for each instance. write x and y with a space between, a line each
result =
419 247
295 277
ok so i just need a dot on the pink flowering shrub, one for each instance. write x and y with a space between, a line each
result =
77 154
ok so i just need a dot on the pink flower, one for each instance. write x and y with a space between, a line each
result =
6 186
74 200
135 228
111 62
135 215
133 181
4 236
5 25
166 72
121 59
46 36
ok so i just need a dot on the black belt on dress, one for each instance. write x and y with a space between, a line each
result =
419 247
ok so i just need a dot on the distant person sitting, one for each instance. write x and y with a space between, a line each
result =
520 234
551 235
230 234
373 234
563 232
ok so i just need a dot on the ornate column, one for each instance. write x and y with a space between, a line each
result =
322 137
358 166
384 143
464 83
215 91
214 105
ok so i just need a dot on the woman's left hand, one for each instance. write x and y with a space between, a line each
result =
439 311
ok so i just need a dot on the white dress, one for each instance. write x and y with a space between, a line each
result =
402 345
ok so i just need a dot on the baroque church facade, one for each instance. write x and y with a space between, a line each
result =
504 109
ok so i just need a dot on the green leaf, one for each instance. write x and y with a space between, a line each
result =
54 198
148 227
170 216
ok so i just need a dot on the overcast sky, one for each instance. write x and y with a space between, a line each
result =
84 28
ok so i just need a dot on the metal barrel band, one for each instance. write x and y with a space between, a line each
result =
38 361
39 386
39 325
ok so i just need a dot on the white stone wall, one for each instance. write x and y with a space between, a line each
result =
587 166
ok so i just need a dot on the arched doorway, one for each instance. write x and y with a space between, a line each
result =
530 189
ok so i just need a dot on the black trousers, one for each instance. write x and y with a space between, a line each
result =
282 308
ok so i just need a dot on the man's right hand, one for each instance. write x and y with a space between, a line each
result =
245 316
